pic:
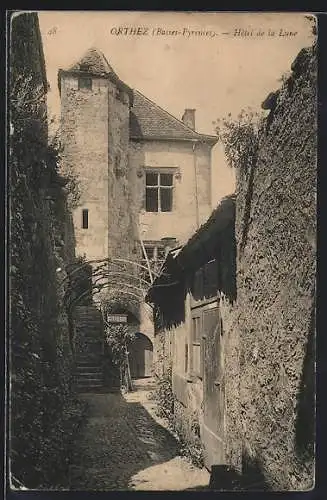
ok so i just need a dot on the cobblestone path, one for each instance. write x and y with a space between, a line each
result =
123 445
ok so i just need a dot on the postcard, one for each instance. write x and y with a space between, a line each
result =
162 255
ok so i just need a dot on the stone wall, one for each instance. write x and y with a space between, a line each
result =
84 122
95 134
276 231
122 217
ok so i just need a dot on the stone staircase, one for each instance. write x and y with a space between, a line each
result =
88 349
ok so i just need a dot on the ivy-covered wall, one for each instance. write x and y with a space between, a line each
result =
43 410
276 265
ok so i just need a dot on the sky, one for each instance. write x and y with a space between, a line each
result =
233 66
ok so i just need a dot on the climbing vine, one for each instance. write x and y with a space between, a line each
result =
240 137
44 413
118 338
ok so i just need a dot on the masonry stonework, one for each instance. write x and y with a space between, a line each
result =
85 154
276 289
266 261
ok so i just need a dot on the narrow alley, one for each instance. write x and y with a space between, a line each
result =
124 445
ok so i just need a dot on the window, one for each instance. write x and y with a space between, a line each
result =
85 82
119 95
85 218
159 192
196 346
186 359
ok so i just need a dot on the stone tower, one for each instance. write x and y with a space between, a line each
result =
95 106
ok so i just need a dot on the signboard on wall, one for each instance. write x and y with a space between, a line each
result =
117 318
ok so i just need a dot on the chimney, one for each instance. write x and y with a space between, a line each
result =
188 118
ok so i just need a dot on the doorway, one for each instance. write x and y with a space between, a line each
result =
213 388
141 356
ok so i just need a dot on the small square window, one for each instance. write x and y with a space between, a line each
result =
166 179
85 82
151 179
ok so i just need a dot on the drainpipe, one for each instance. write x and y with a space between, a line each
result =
196 185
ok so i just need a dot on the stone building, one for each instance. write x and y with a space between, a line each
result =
246 375
144 179
189 297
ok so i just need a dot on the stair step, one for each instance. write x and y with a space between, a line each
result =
88 387
89 374
92 361
90 367
89 381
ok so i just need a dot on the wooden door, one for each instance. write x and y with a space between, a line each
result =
213 388
141 356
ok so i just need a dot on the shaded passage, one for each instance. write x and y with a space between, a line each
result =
123 445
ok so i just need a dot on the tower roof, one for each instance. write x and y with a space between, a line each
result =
93 62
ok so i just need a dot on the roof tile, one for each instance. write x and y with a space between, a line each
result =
149 121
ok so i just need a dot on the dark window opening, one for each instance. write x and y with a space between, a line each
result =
159 192
196 346
166 200
149 252
166 179
186 358
85 82
151 179
119 95
85 219
151 197
196 333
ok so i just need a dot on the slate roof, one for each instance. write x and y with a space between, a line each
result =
149 121
94 62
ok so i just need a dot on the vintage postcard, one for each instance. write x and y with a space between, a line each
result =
162 254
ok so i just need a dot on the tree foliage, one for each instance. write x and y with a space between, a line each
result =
240 137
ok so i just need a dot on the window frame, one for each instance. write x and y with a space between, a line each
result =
159 187
85 218
196 342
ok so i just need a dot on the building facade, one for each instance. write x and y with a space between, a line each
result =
144 178
190 298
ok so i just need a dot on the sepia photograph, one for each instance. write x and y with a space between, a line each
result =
162 185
